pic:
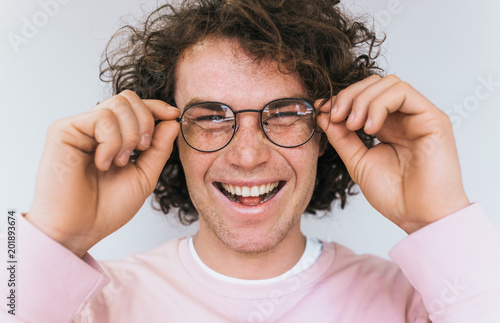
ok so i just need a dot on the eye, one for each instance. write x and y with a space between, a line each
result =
283 118
212 118
286 114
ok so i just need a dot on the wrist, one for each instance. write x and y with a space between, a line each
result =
75 244
441 212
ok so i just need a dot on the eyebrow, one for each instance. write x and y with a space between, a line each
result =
197 100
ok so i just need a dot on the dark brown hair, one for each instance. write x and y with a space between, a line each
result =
315 39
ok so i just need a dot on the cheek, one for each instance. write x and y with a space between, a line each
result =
304 163
190 163
312 160
195 165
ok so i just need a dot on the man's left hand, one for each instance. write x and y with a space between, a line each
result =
412 176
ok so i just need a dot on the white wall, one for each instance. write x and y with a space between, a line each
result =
445 49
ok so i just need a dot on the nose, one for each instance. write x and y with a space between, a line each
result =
249 147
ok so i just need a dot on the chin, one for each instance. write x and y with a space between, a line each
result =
251 240
252 247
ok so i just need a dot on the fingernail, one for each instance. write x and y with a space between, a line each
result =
124 157
145 139
368 123
108 162
334 109
351 118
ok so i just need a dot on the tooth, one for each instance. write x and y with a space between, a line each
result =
247 191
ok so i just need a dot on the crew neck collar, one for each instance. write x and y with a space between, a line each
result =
233 288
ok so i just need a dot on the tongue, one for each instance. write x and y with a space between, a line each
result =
250 200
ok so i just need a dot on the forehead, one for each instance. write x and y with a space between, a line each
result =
220 70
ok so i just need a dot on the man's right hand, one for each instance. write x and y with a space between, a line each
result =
86 187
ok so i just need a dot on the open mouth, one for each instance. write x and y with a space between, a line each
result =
250 195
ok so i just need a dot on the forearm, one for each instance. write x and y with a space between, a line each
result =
53 283
454 263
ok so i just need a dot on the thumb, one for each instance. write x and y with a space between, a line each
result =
152 160
346 142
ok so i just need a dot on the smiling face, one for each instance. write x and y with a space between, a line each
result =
249 195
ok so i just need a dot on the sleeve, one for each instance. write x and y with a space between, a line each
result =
454 263
53 284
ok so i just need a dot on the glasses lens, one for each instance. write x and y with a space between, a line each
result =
288 122
208 126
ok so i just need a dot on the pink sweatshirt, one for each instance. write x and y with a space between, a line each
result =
450 269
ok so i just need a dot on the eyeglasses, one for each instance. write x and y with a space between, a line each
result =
210 126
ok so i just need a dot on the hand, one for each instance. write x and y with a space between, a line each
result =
86 188
412 176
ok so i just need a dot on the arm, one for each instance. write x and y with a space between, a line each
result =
86 189
457 276
413 178
53 284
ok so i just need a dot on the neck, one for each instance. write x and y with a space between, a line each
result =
253 266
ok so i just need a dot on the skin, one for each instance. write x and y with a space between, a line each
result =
86 188
234 239
413 176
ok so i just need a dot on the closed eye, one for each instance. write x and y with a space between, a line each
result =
213 118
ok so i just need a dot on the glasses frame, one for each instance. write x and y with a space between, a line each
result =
236 124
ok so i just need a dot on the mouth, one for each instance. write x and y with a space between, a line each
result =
250 195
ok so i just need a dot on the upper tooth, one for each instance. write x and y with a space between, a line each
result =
246 191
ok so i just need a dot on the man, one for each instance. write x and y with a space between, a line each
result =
250 97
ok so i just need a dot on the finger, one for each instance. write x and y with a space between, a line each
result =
346 142
343 102
346 99
107 134
327 107
129 127
362 100
401 97
161 110
324 109
144 118
152 161
99 126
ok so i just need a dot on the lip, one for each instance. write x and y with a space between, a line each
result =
250 211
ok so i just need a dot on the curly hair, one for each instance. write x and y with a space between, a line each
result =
315 39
